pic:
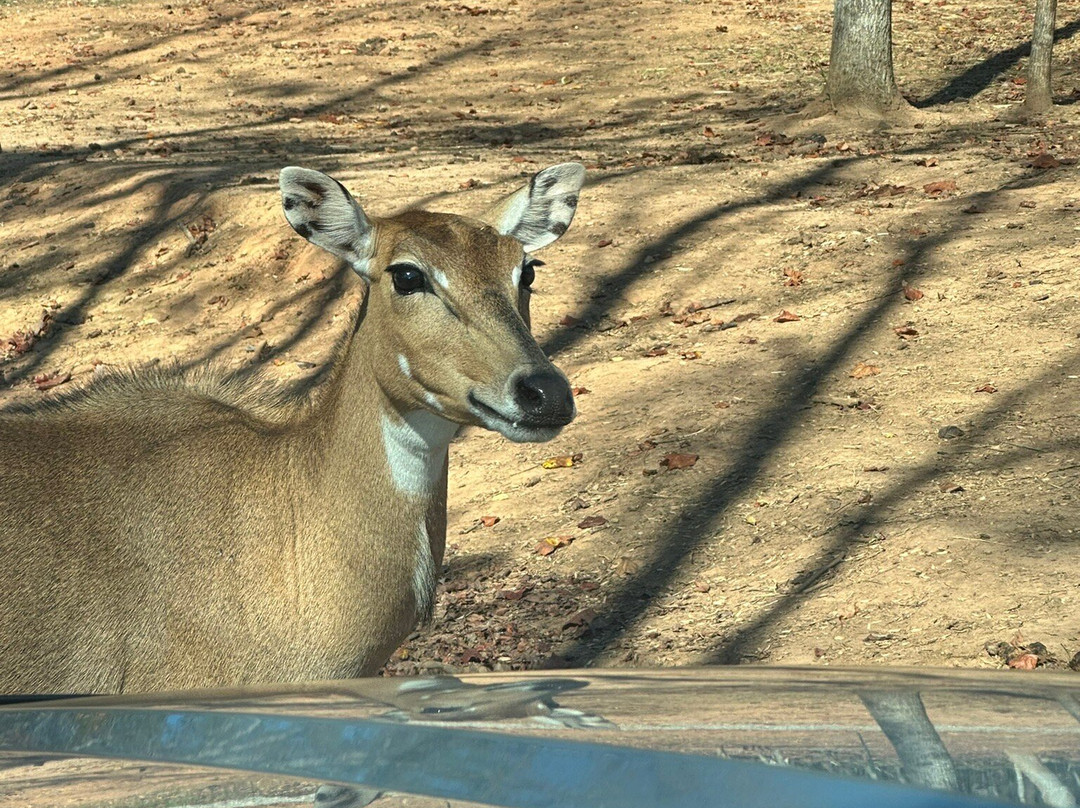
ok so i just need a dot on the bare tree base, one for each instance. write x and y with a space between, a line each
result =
819 116
867 116
1025 113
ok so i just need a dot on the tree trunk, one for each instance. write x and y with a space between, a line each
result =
902 717
1037 99
861 77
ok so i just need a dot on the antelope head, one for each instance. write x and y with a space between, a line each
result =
446 327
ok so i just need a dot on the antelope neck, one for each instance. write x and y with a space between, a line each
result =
416 444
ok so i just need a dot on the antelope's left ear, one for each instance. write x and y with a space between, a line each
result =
540 212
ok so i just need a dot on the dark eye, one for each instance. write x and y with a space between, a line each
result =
528 273
407 278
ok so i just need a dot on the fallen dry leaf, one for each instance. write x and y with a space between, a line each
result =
569 321
1024 662
657 351
905 332
552 543
786 317
562 462
628 565
718 326
862 370
939 188
951 488
707 303
21 341
876 191
584 617
693 318
1044 160
690 354
911 293
794 277
580 391
47 381
470 655
774 139
986 388
675 460
514 594
592 521
489 521
644 446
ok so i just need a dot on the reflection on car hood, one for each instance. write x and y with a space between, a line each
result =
678 737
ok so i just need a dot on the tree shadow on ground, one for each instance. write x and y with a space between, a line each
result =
182 188
772 430
980 76
827 563
184 191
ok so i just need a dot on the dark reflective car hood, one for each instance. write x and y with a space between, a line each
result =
745 736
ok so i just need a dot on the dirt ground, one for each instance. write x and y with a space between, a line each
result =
881 392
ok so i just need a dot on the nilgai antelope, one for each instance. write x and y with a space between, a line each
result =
166 531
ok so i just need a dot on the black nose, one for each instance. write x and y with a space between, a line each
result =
544 398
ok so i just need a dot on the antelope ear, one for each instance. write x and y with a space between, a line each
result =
540 212
320 209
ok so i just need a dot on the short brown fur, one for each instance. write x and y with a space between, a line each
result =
170 530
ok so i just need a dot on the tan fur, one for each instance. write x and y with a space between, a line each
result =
169 530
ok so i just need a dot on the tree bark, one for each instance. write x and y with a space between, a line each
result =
1053 792
902 717
1037 98
860 76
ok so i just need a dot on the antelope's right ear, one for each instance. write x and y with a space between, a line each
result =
320 209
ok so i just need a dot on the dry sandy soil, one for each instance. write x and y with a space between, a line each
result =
881 397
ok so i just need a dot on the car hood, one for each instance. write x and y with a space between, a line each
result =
746 736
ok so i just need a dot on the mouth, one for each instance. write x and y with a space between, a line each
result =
517 429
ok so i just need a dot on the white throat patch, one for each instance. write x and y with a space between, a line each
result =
416 447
